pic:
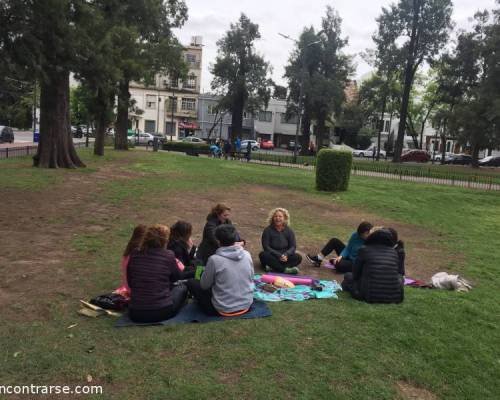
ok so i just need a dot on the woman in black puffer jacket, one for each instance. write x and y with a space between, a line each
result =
378 273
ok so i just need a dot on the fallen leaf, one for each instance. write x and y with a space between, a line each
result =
89 378
16 354
72 326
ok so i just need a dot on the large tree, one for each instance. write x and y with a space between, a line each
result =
240 74
303 65
144 45
44 37
475 116
419 29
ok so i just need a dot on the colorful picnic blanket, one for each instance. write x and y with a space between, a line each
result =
298 293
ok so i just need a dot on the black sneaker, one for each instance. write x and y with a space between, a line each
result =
314 260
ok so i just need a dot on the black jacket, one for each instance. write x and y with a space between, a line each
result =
378 271
279 243
181 252
209 243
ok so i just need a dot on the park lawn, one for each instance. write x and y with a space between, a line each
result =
437 343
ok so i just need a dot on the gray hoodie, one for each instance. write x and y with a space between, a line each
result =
229 272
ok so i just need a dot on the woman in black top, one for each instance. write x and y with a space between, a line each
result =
181 244
151 274
378 273
209 244
279 245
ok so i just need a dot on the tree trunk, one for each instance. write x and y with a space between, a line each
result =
475 155
237 118
305 138
409 73
101 123
381 127
55 149
121 138
320 131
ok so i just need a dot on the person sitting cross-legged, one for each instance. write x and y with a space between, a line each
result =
346 255
279 245
226 285
378 273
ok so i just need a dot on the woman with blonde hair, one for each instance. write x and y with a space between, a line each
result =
279 245
152 271
209 244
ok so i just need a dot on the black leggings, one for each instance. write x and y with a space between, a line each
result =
202 296
267 258
178 294
338 246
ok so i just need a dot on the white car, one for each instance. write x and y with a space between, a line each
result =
145 138
369 152
447 157
255 145
193 139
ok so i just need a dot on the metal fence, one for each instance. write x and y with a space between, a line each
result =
23 151
402 173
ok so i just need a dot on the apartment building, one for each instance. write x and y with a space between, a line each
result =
170 106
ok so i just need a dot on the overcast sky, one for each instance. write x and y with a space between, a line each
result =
211 19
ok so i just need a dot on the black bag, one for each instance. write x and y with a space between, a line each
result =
110 301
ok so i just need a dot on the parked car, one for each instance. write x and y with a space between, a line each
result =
291 146
369 152
255 145
490 161
460 159
6 134
415 155
193 139
447 156
144 138
267 145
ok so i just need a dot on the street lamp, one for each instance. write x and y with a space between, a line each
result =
172 99
158 116
301 93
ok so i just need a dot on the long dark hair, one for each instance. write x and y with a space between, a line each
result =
135 240
397 243
181 231
219 209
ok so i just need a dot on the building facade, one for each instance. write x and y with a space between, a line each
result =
170 106
268 124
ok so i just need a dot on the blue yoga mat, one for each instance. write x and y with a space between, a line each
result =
192 313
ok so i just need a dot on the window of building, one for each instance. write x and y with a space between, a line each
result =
190 82
292 120
191 58
149 126
150 101
386 128
171 104
188 104
265 116
173 82
170 128
212 109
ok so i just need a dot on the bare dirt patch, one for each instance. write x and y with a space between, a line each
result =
410 392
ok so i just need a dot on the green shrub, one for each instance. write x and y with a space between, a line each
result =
333 170
188 148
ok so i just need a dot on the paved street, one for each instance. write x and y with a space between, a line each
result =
25 138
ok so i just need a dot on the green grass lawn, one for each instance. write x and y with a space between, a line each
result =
444 342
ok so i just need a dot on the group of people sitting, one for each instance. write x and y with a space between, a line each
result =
160 265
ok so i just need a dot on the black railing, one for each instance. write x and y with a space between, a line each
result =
23 151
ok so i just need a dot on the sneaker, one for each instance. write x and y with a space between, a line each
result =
314 260
292 270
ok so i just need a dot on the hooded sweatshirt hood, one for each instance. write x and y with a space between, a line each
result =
234 252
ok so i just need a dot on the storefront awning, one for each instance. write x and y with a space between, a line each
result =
188 125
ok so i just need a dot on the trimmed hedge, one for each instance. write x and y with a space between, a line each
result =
333 170
188 148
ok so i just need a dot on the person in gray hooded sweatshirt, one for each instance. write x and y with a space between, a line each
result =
226 286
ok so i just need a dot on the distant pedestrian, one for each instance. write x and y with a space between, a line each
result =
248 154
227 149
